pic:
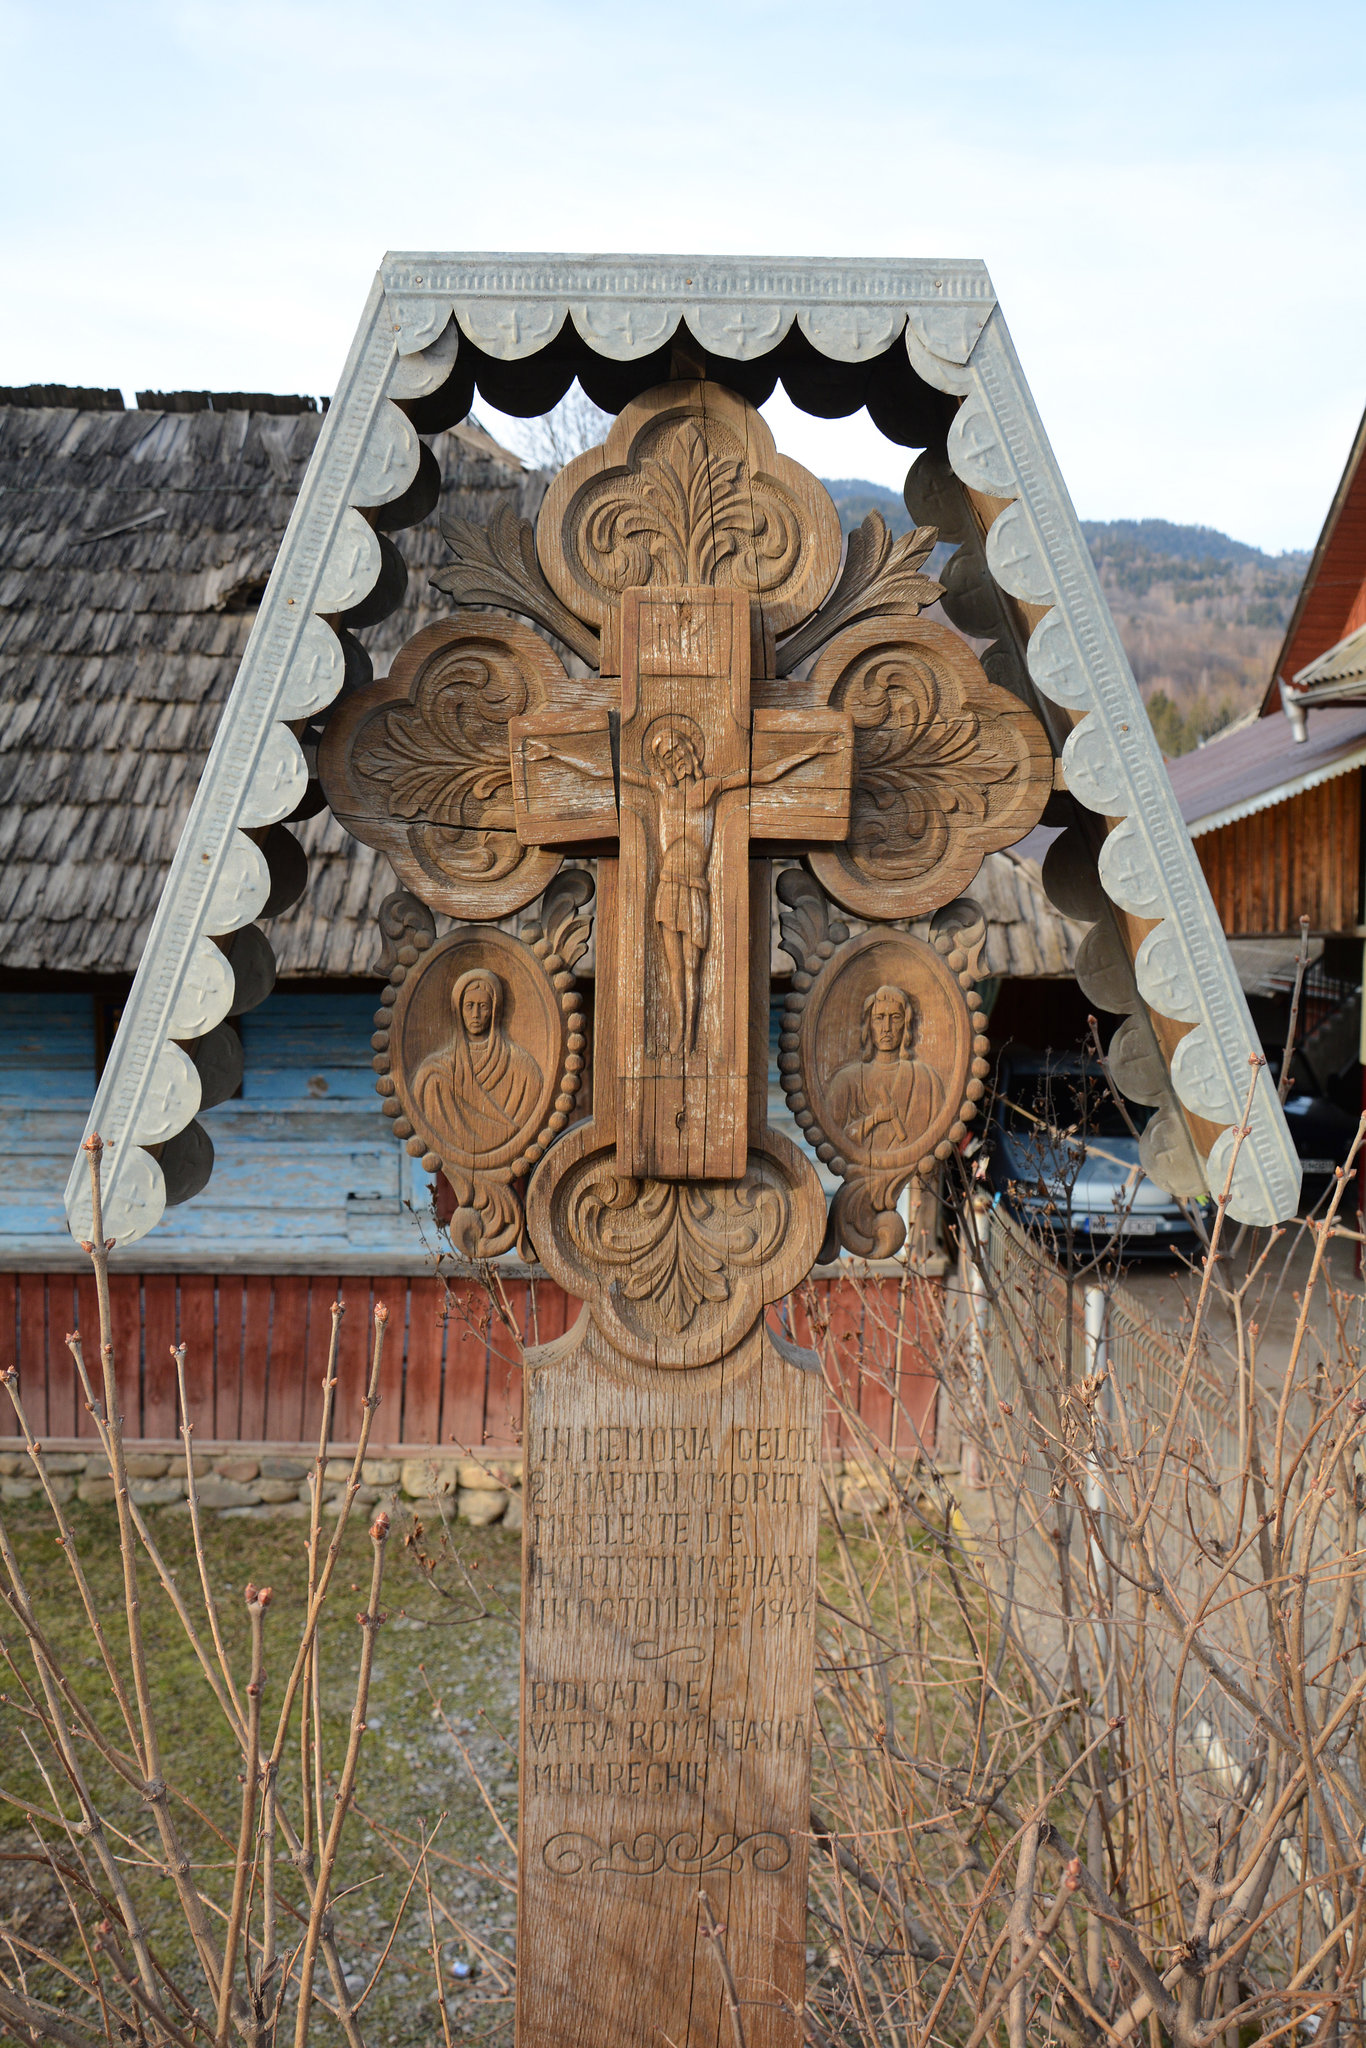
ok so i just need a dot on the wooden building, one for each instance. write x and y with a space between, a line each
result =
1275 808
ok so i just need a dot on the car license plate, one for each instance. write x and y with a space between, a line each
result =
1130 1226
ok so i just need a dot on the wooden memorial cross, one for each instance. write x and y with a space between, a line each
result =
748 696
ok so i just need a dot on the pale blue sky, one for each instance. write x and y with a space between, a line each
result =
1171 198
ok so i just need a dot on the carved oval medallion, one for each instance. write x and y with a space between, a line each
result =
885 1049
482 1063
418 764
947 766
688 488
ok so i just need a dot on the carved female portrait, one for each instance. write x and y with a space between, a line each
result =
477 1049
885 1051
482 1086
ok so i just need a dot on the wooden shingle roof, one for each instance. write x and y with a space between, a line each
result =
134 546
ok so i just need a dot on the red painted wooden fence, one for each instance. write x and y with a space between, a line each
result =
256 1349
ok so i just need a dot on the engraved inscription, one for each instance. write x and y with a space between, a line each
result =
667 1680
647 1855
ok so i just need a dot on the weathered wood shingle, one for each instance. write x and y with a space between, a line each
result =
133 546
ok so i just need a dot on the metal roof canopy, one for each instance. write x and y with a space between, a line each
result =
842 334
1251 768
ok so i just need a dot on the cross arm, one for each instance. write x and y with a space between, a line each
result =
563 777
801 774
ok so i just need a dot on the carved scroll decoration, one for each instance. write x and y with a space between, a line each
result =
418 764
688 488
882 1059
947 767
479 1052
675 1273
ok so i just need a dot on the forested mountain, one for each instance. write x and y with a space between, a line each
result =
1201 615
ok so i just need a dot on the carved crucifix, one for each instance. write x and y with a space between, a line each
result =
749 698
698 778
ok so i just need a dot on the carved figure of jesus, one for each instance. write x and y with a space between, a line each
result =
886 1097
684 825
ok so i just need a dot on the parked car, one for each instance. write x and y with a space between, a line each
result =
1322 1135
1061 1150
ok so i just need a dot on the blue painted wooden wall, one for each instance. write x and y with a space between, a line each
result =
307 1176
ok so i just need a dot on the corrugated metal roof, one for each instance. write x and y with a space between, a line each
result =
1260 764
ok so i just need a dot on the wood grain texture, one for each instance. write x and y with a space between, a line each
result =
1300 858
422 1376
88 1323
254 1381
459 1382
160 1404
288 1359
125 1306
464 1404
948 767
35 1383
666 1694
418 765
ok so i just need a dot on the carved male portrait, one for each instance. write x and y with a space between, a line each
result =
482 1085
886 1051
886 1096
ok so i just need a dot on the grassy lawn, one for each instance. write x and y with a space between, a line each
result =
434 1646
451 1637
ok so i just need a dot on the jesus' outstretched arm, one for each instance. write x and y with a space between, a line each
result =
564 750
828 743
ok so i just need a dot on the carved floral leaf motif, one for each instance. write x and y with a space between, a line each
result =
687 490
881 577
691 513
918 760
947 766
676 1243
444 758
497 565
418 764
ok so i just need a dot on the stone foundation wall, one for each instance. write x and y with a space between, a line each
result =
256 1487
270 1484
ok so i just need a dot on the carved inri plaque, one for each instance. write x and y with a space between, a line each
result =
671 1442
